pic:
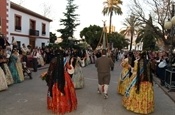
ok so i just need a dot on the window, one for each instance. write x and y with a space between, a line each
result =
32 30
43 45
32 24
43 29
17 23
19 44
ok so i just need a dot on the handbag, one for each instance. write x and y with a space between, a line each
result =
162 64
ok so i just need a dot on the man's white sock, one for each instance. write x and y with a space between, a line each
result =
106 88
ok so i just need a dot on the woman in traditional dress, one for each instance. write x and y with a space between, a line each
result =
3 82
78 77
40 57
12 66
139 96
124 77
87 58
61 96
19 66
5 68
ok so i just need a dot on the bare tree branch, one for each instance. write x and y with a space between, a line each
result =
46 10
21 2
158 9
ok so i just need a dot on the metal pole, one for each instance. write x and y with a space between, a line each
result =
172 36
104 35
171 48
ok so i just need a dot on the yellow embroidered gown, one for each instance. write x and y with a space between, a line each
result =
143 101
8 74
3 81
19 68
124 78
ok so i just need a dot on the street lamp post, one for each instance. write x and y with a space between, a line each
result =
170 25
169 73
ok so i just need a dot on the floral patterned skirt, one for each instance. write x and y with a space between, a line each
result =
142 102
20 71
60 103
3 81
121 88
8 74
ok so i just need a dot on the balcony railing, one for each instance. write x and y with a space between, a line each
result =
17 27
33 32
43 33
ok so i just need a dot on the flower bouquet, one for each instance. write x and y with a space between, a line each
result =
43 75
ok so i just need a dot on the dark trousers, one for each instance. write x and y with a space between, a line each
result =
24 58
161 74
35 64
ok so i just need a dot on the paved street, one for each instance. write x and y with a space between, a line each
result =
29 97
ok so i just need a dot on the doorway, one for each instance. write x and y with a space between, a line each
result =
32 42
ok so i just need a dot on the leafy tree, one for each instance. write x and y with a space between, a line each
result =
110 7
53 37
92 35
147 36
161 10
118 40
131 26
70 22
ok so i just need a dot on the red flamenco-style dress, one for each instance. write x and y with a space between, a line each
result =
60 100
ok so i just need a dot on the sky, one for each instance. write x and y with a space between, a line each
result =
90 13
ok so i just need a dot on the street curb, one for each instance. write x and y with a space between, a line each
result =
166 92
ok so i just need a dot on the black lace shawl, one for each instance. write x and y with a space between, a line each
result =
144 64
56 73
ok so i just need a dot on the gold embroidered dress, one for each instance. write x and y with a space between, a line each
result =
8 74
124 78
19 68
140 101
3 81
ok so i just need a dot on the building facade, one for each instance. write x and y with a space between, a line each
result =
24 25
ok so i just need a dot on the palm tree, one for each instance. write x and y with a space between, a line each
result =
147 36
110 7
131 25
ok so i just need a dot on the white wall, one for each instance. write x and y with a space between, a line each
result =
25 26
26 23
40 41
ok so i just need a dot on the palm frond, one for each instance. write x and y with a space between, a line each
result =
112 6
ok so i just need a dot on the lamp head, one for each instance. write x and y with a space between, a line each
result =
173 20
168 25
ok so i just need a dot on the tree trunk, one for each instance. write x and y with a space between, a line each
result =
110 22
132 34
